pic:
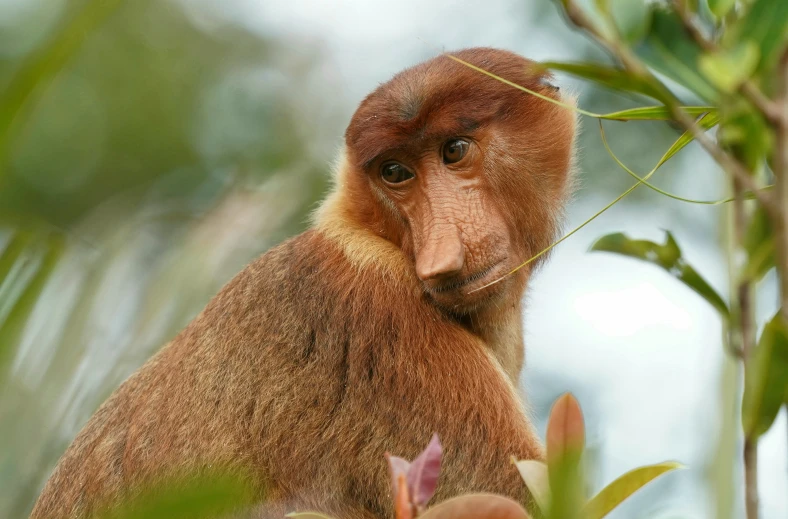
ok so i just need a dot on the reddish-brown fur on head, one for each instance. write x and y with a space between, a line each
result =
465 224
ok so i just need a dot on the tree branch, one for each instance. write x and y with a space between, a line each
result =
751 478
632 63
748 89
780 165
744 328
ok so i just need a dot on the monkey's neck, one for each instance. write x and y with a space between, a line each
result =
501 329
499 326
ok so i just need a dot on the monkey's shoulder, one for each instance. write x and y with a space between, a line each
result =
308 283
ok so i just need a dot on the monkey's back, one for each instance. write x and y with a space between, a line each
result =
303 371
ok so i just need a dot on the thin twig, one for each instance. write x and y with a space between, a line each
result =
751 478
780 166
744 330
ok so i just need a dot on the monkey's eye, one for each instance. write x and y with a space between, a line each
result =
455 150
394 173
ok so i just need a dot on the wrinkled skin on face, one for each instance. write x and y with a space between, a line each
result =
467 175
455 233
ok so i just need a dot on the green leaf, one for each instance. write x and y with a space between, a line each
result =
747 196
720 8
668 257
705 123
759 243
669 50
620 489
766 379
208 496
655 113
728 69
603 6
537 479
747 133
766 24
609 77
632 18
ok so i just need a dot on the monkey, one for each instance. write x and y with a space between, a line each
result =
391 318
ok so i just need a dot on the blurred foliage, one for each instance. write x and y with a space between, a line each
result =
733 56
557 487
150 106
766 387
214 495
143 146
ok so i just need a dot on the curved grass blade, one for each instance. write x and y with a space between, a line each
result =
526 90
705 122
655 113
620 489
646 113
747 196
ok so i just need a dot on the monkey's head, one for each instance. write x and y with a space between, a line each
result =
465 174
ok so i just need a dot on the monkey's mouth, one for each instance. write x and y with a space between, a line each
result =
460 291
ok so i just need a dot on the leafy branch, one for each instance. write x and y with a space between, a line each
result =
736 62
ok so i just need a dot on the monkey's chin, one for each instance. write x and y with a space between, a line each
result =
472 296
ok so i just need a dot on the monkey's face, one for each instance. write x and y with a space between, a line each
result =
449 223
464 173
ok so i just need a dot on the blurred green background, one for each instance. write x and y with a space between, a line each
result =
150 148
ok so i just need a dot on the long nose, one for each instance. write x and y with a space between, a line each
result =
442 254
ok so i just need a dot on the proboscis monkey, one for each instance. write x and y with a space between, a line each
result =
373 329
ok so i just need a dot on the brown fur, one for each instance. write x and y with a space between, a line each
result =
329 350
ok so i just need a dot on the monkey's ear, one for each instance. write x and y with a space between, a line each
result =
549 84
543 73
